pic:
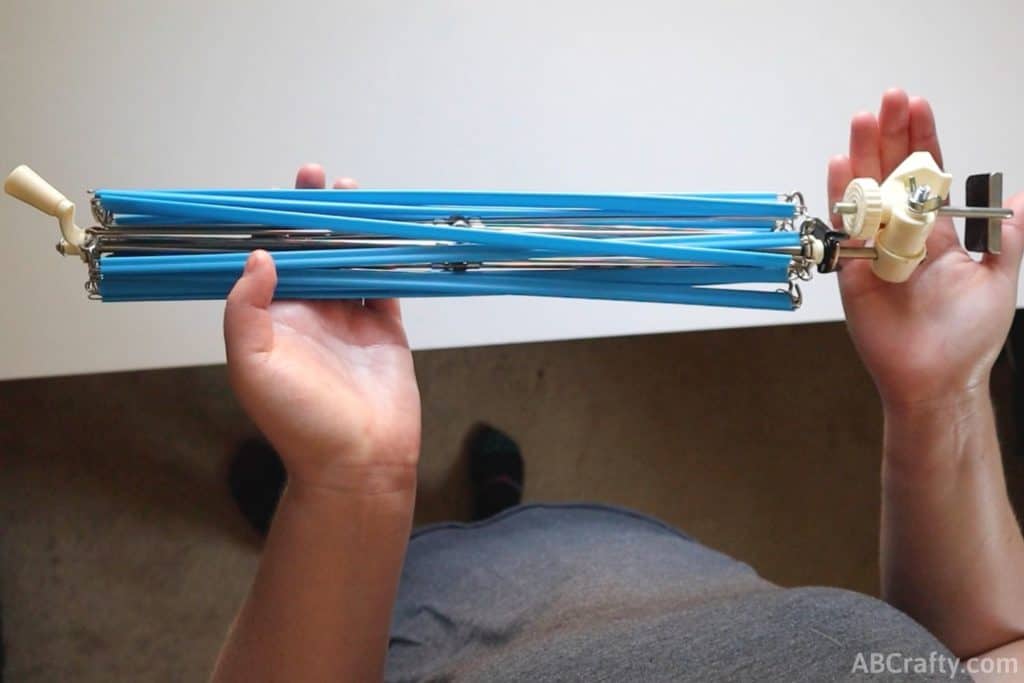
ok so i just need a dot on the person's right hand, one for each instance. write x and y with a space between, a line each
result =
936 336
330 383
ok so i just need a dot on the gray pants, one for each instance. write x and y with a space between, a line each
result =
589 592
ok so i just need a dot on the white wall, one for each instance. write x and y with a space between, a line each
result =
551 95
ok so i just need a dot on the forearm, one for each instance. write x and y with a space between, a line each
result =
320 606
952 552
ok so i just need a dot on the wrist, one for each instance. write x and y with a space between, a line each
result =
327 501
943 405
369 478
936 436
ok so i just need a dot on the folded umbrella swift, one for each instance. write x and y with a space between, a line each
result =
716 249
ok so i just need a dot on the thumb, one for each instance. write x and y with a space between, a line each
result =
248 328
1009 259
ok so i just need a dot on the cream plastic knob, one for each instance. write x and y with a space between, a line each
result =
866 195
25 184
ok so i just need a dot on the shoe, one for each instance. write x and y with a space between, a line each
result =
495 471
256 478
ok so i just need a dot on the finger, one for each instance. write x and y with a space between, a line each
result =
894 126
386 306
840 174
248 328
1012 241
344 183
923 135
310 177
864 146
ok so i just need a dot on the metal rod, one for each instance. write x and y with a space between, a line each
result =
155 238
858 253
844 252
975 211
235 232
848 208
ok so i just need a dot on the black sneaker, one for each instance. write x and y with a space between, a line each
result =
495 471
256 477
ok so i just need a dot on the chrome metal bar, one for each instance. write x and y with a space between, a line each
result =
849 208
844 252
858 253
975 212
156 238
553 228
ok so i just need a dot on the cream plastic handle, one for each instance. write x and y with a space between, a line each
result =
25 184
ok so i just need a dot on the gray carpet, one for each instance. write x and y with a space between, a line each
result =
124 559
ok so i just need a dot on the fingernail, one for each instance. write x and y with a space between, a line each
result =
250 262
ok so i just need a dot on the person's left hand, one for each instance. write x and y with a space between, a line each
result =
330 383
936 336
